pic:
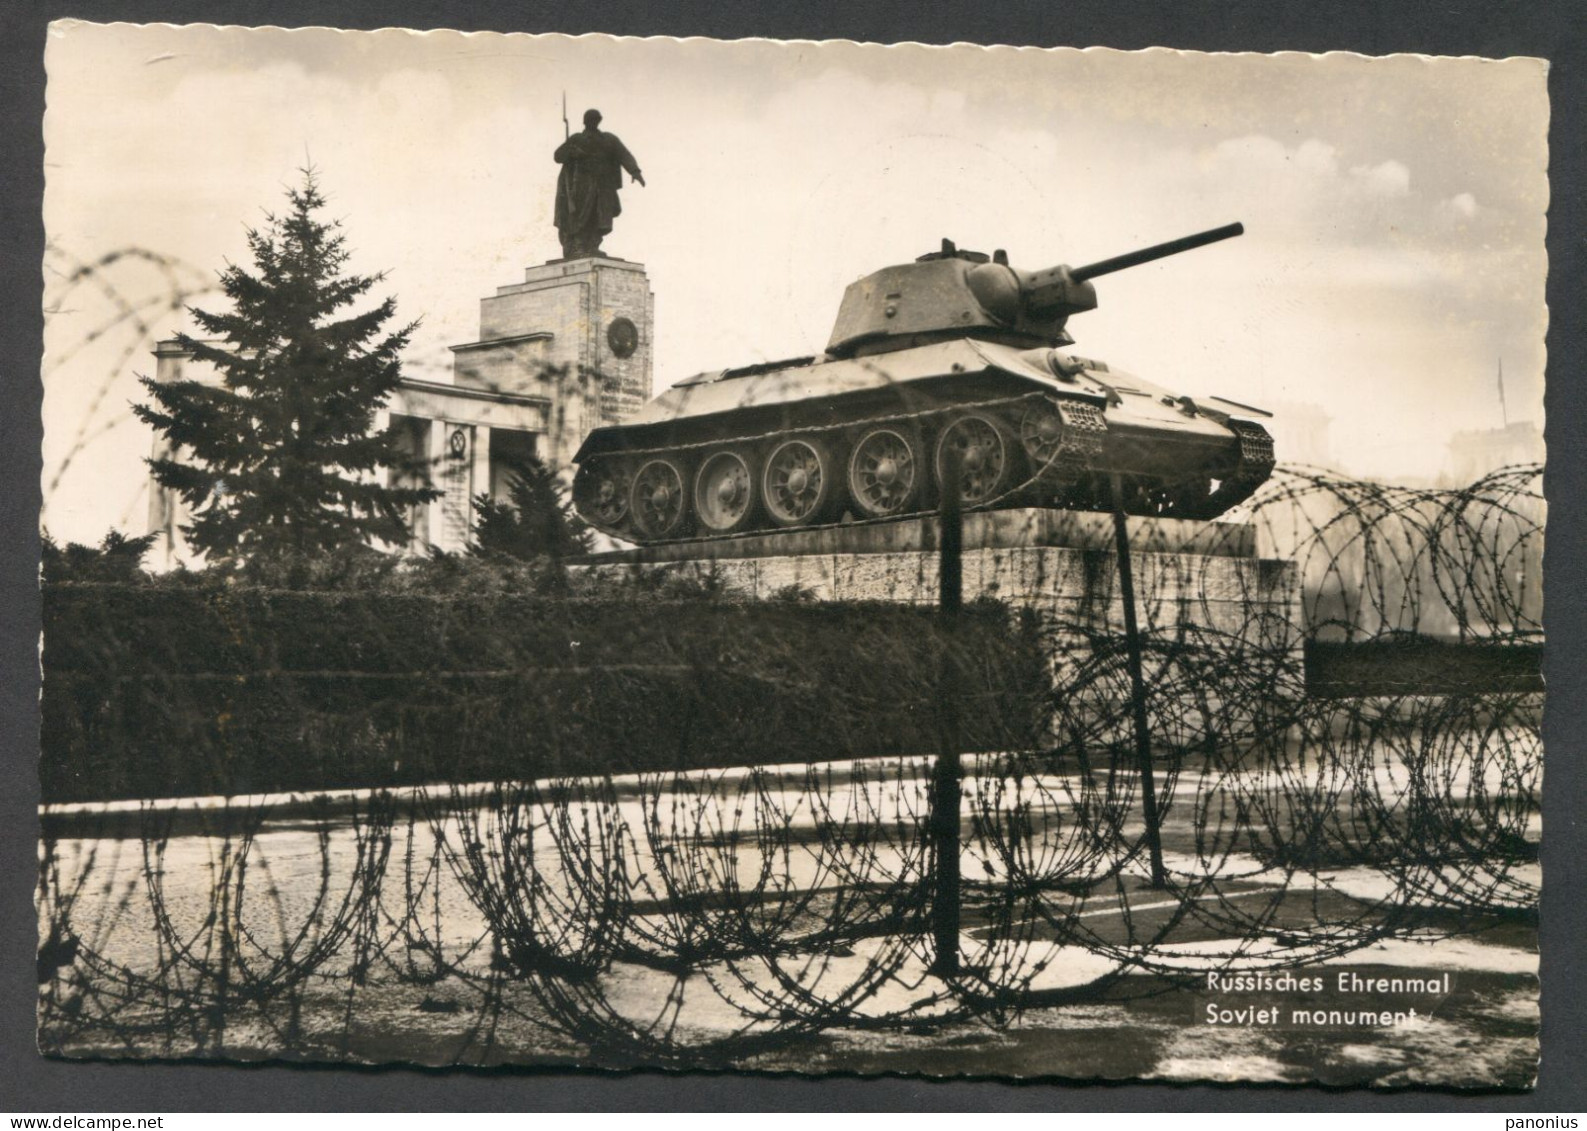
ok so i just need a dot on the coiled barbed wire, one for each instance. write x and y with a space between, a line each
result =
700 915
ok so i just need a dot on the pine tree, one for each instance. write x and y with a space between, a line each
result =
535 522
281 459
118 559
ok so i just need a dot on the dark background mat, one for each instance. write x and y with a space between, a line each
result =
1552 29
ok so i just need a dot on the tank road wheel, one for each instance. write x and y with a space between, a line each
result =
724 493
1041 434
1061 442
798 482
658 500
600 492
885 472
987 454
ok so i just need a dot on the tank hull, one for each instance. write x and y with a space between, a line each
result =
867 439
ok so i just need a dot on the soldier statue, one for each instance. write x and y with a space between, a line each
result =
592 173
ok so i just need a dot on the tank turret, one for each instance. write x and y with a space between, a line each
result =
953 294
954 353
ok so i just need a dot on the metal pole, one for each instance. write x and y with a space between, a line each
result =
947 774
1132 642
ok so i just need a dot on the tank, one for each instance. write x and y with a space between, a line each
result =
957 350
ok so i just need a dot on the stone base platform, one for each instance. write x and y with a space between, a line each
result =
1221 625
1062 564
1023 528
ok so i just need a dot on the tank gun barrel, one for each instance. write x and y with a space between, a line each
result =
1156 251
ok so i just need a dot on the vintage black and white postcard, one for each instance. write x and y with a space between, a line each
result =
792 557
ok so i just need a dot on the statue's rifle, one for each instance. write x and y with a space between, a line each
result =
562 182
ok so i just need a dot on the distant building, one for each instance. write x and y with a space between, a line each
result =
1301 434
559 354
1475 453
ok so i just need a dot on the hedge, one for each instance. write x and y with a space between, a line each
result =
154 691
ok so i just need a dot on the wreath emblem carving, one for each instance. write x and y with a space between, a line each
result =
622 336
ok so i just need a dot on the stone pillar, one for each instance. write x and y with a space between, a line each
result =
435 456
479 468
453 522
167 512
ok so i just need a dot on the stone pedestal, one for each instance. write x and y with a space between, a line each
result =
1205 573
1213 612
577 332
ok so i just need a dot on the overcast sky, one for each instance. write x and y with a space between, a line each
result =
1394 207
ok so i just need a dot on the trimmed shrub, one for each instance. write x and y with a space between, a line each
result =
172 690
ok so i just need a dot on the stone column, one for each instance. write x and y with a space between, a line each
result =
593 315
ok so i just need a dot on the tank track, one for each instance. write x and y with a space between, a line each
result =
1256 464
1051 446
1080 450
